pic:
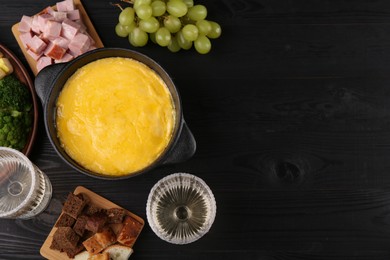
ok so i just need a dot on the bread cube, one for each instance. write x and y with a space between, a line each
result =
66 238
129 232
115 215
65 221
74 205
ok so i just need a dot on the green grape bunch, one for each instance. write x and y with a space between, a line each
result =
174 24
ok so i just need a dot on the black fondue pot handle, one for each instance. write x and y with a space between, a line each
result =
44 80
184 148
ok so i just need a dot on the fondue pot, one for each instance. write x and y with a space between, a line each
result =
50 81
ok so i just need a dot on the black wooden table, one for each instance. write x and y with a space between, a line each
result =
291 113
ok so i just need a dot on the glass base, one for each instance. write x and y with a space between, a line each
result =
42 199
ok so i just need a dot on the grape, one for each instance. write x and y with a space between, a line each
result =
137 3
138 37
130 28
183 43
172 23
190 32
197 12
149 25
215 30
158 8
144 11
189 3
173 45
131 41
152 37
177 8
121 31
126 17
163 37
175 24
202 44
204 26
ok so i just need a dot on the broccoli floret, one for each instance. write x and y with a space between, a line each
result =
15 113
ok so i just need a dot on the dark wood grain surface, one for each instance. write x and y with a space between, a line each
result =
291 115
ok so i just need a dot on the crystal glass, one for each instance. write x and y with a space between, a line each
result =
181 208
25 191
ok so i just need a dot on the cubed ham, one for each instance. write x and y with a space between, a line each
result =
55 36
67 57
91 48
54 51
83 28
43 62
45 40
62 42
25 24
79 44
91 40
65 6
47 10
59 16
73 15
52 30
35 25
42 21
33 55
25 38
36 45
69 29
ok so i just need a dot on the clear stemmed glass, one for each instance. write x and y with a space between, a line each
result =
181 208
25 191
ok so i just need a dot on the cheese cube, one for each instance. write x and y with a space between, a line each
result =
5 65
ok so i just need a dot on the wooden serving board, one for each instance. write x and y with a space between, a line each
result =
85 18
94 199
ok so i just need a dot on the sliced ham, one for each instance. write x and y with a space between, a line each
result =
54 51
70 29
25 24
43 62
52 30
65 6
36 45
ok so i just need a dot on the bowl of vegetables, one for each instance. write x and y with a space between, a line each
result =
18 104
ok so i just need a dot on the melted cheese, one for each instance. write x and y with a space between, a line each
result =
115 116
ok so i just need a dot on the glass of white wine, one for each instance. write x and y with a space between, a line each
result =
181 208
25 191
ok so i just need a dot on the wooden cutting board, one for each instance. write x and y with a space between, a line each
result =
85 18
96 200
